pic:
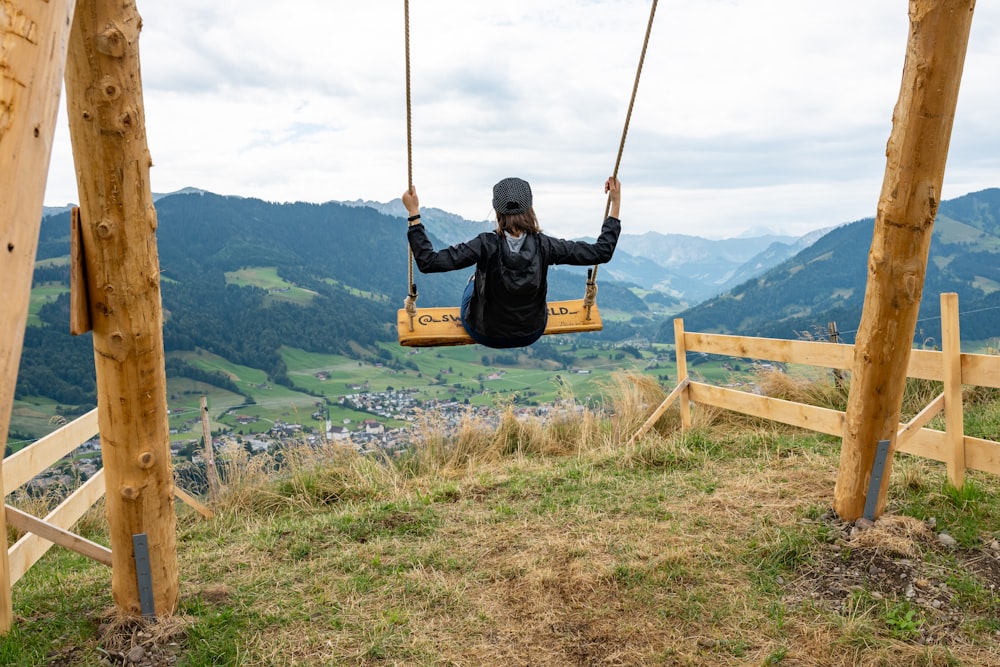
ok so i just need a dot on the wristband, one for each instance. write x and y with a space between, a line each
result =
413 217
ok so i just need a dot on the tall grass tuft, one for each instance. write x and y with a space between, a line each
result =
821 392
92 525
300 475
446 451
305 476
917 394
658 451
441 450
632 398
572 428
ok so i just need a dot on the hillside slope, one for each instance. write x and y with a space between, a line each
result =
243 277
826 281
525 544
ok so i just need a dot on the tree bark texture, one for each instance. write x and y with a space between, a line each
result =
897 262
33 39
107 126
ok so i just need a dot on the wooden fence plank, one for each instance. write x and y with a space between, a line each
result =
921 420
658 412
810 417
680 352
20 467
981 370
31 547
27 523
927 443
982 455
951 366
977 369
810 353
186 497
925 365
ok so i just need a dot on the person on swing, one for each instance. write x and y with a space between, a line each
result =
505 301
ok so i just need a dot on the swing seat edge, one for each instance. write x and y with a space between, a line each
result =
442 326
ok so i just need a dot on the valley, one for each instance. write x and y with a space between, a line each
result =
330 387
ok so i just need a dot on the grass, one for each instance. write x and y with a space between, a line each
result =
549 543
267 278
41 295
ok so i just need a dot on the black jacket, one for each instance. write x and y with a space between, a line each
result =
511 289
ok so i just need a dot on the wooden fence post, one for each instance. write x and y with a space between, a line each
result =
838 375
951 351
680 350
33 53
897 263
107 127
211 472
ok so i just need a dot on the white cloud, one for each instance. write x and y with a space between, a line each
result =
748 114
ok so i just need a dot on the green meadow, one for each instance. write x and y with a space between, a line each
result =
41 295
267 278
472 375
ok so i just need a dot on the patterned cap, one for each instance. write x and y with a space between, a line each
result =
511 195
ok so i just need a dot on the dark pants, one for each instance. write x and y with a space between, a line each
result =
490 341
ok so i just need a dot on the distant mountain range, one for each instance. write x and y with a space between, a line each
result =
242 277
785 286
826 281
685 269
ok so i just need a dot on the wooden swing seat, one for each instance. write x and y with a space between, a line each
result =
439 327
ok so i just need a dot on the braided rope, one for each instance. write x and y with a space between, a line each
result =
411 300
591 295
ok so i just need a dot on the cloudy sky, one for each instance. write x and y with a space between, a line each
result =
751 114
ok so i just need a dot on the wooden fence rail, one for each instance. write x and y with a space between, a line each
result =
20 468
41 533
948 365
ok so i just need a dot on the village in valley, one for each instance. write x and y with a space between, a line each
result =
380 408
371 434
368 435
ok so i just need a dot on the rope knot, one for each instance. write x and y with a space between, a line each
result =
410 304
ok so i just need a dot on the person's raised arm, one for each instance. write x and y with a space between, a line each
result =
412 204
613 187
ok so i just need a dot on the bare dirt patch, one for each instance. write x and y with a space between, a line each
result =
899 561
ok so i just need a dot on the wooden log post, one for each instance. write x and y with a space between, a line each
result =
33 38
911 190
211 472
118 234
838 375
951 355
680 350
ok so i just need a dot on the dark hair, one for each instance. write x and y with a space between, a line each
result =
518 223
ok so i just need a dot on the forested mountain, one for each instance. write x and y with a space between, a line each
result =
694 269
681 269
340 273
826 281
347 264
